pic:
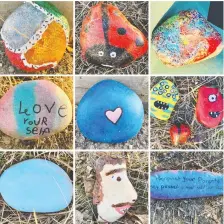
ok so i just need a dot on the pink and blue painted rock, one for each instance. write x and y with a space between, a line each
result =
110 112
36 185
34 109
177 184
186 38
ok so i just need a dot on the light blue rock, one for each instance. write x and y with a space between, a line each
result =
110 112
36 185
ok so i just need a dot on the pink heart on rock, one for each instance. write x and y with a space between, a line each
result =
114 116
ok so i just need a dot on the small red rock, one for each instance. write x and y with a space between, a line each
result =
179 133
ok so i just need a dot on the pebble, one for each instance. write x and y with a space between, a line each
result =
11 69
29 187
116 116
34 109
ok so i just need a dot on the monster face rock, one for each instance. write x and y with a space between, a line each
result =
113 192
164 96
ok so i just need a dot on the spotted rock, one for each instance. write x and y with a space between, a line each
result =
35 36
36 185
108 39
186 38
110 112
34 109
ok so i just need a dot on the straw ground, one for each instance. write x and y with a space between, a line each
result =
187 211
136 13
62 140
9 215
184 112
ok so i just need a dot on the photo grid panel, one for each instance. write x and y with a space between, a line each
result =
111 112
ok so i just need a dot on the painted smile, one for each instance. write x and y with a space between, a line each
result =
214 114
161 105
122 208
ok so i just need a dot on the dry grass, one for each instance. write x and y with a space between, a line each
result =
137 163
202 138
11 216
136 12
187 211
62 140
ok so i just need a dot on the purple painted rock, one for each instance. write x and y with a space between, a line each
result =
34 109
178 184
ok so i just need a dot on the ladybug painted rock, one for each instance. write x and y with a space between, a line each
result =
186 38
35 36
108 39
209 107
179 133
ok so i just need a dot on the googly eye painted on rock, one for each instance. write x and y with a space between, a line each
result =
168 94
101 53
167 87
160 92
113 54
212 98
162 83
155 89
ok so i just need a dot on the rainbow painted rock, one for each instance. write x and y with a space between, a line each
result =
35 36
178 184
164 96
36 185
34 109
113 192
186 38
110 112
108 39
209 107
179 133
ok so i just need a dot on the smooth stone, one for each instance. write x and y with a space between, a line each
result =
179 134
108 39
186 38
178 184
164 96
35 36
110 112
113 192
34 109
209 106
36 185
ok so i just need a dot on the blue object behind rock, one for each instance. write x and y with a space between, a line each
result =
110 112
177 184
36 185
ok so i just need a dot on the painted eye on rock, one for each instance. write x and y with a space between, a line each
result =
100 53
167 87
212 98
168 94
113 54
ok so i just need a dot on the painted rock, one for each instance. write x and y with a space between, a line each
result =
164 96
35 36
36 185
34 109
109 195
209 107
108 39
110 112
186 38
177 184
179 133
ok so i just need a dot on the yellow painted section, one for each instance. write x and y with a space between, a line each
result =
50 48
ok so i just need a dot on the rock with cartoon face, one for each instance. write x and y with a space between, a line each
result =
178 184
108 39
209 107
113 192
186 38
164 96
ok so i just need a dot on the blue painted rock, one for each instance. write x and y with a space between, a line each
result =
34 109
36 185
177 184
35 36
110 112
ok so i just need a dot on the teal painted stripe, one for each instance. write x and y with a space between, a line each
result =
24 98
